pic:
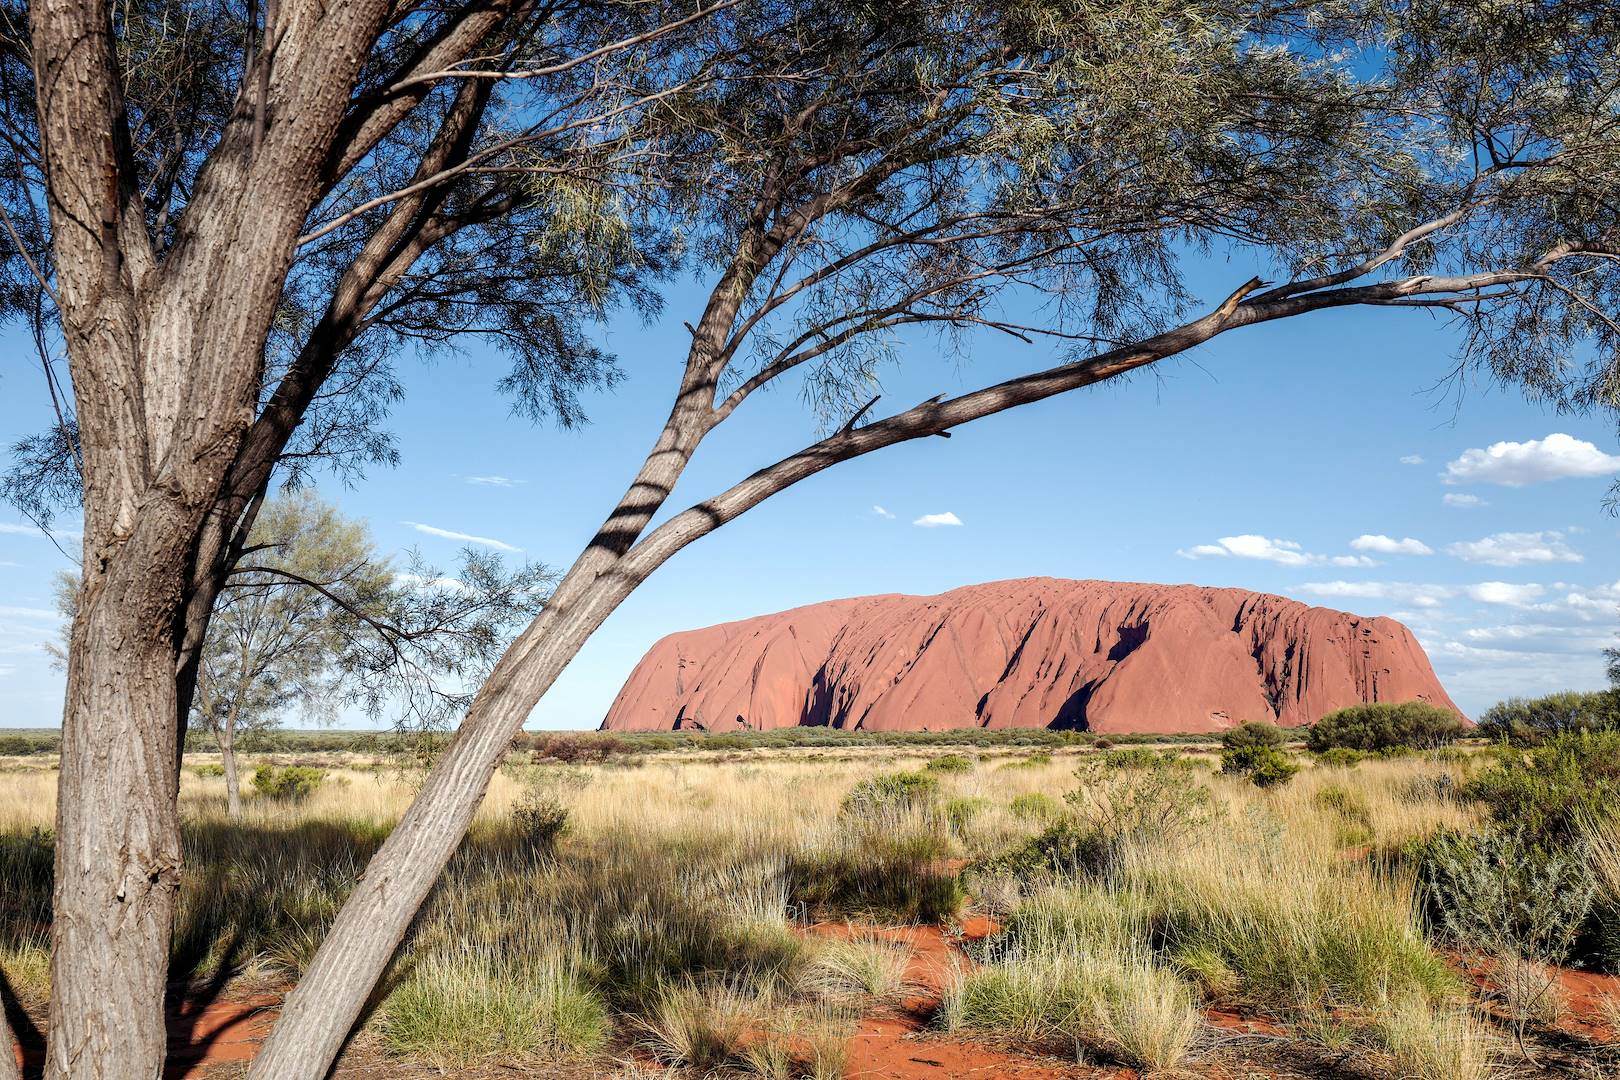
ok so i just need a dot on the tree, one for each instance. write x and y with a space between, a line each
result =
320 620
250 212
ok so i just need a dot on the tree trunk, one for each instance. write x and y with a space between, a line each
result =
10 1050
227 758
117 823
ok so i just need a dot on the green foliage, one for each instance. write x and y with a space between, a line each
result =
960 812
1263 766
541 822
877 871
1035 804
1135 757
287 783
25 743
1500 892
1340 757
1549 791
1527 721
208 769
1254 733
1381 725
949 763
890 792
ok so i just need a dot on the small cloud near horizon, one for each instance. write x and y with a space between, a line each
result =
1515 464
468 538
934 521
882 513
1412 459
1388 545
494 481
1451 498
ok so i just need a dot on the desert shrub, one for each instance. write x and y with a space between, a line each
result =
1035 805
22 744
1130 757
855 966
876 871
1263 766
1527 721
579 748
1434 1042
950 763
1340 757
1158 803
701 1025
1549 791
1500 892
1381 725
889 792
1255 733
540 823
207 770
458 1007
288 783
960 812
1064 850
1117 1005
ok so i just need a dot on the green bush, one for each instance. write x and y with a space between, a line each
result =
1133 757
1065 851
1255 733
540 823
1383 725
1548 792
1263 766
959 813
949 763
1527 721
208 769
1502 893
890 792
290 784
1340 757
1035 804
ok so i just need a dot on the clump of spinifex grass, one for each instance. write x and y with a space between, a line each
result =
850 967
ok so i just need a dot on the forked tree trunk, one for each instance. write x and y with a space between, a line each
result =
227 759
117 823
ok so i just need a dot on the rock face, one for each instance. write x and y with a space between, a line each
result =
1035 652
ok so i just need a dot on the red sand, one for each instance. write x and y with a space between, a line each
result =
1034 652
199 1039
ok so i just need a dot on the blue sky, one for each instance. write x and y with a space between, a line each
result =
1327 458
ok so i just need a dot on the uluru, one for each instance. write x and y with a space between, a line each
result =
1103 656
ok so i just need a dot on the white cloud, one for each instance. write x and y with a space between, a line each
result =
1412 459
494 481
1501 592
882 513
1516 549
1516 464
9 529
1403 592
467 538
1451 498
1267 549
934 521
1387 545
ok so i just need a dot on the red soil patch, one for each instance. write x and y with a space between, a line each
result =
893 1043
1585 995
221 1033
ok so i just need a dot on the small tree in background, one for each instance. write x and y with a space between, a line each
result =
1385 725
1254 733
316 619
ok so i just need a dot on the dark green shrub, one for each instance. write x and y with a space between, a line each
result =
208 769
290 784
1134 757
1383 725
1527 721
949 763
540 823
1253 733
1546 793
1500 892
959 813
1340 757
1263 766
889 792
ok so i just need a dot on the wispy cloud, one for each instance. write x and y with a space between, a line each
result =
1515 464
494 481
8 528
30 613
881 512
1267 549
1412 459
934 521
1516 549
1451 498
466 538
1388 545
